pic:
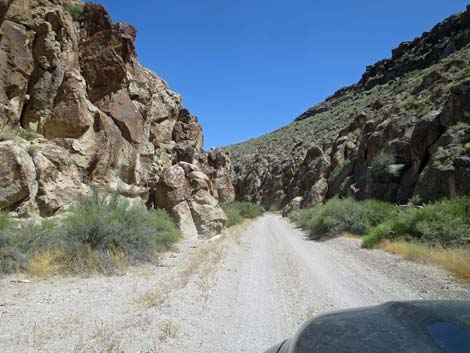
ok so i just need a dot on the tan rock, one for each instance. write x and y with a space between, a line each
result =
184 220
70 117
125 114
17 175
4 4
20 11
16 66
207 214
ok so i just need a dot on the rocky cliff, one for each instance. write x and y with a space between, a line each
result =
401 133
77 109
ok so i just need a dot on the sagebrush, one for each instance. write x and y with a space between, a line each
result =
236 212
442 223
99 234
340 216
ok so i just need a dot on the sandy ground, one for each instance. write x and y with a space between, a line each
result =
241 293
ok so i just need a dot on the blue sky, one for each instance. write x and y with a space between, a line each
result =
247 67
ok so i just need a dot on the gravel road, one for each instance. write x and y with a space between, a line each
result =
238 294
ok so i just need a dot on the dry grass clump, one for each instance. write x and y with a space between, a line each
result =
210 256
57 261
455 261
167 331
155 297
203 263
237 231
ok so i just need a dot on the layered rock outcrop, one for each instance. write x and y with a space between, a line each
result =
77 109
401 134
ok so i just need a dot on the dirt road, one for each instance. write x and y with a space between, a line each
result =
239 294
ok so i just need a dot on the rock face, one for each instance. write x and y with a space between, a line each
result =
401 133
77 109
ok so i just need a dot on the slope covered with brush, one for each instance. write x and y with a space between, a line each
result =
401 133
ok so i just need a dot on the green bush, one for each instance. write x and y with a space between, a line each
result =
340 216
74 10
382 161
28 134
442 223
7 228
110 223
233 217
98 233
23 242
378 234
238 211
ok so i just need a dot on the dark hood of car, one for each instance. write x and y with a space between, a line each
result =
395 327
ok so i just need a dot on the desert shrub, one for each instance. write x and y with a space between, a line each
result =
466 70
238 211
233 217
249 210
382 161
111 224
443 223
100 234
28 134
340 216
7 228
23 242
74 10
378 234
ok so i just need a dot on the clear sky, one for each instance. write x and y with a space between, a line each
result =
247 67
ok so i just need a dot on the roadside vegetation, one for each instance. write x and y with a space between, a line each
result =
100 234
237 212
438 232
339 216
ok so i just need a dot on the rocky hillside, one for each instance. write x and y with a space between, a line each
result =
77 109
401 133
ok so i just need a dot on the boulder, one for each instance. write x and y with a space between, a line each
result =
70 117
125 114
58 182
103 59
219 169
293 206
185 187
207 214
4 4
17 175
184 220
16 67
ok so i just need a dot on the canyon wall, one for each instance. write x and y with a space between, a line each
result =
401 134
78 110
